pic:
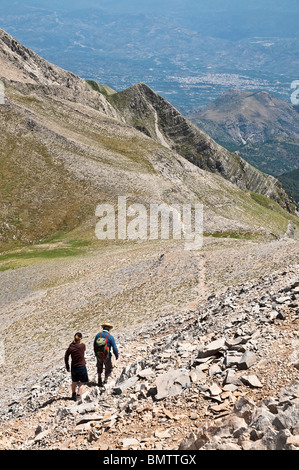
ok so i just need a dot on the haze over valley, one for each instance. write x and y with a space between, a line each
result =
189 52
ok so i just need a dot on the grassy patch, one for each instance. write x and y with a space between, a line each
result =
28 255
235 235
103 89
262 200
270 210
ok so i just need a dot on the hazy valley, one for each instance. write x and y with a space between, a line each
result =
219 47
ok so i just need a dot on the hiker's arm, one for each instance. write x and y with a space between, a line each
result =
114 347
66 359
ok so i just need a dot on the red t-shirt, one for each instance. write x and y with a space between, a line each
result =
76 351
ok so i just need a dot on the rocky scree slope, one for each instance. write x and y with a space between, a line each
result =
222 375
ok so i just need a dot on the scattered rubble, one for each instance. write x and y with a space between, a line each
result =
272 425
222 375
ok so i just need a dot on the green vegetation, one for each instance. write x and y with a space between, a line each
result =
262 200
272 156
24 256
290 183
103 89
278 218
235 235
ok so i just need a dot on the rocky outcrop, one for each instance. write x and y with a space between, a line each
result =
28 72
148 112
271 425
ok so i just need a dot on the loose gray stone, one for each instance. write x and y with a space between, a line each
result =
232 358
247 360
232 378
251 380
172 383
128 442
120 388
212 348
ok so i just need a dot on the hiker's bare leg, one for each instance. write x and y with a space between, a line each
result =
80 389
100 370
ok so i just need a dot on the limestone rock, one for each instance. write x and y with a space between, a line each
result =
212 348
247 360
172 383
251 380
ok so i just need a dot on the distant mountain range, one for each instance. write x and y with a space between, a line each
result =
261 128
189 52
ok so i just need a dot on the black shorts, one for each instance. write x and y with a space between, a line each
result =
79 374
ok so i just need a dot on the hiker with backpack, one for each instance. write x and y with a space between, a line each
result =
104 343
78 365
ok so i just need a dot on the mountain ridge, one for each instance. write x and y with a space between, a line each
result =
66 147
181 135
36 70
261 128
26 70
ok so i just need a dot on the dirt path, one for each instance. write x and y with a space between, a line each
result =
42 305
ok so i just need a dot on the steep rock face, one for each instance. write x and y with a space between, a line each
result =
148 112
27 71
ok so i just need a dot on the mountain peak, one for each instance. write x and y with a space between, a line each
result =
24 68
18 63
257 125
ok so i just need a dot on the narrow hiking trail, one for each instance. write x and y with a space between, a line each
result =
137 410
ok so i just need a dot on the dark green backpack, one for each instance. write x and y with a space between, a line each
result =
102 348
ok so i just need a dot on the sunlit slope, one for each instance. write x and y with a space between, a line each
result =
60 159
66 147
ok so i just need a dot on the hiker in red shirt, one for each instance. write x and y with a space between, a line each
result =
78 365
103 352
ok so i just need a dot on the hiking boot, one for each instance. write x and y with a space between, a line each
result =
74 396
100 383
105 380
